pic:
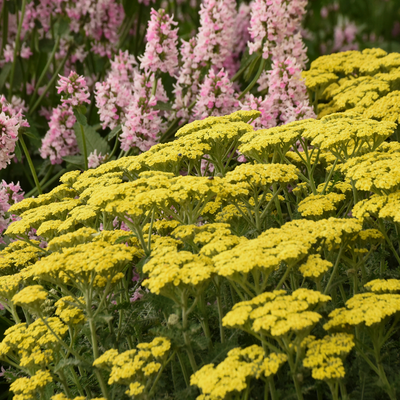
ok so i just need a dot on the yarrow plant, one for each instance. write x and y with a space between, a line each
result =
204 217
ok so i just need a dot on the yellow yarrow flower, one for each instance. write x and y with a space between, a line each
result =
383 285
232 375
25 388
30 297
364 308
319 206
315 267
276 313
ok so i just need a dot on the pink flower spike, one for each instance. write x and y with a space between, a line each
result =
161 51
217 96
74 89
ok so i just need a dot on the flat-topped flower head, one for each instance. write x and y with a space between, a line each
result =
182 269
30 297
277 314
325 356
375 171
135 367
383 285
344 134
233 374
315 267
366 309
320 206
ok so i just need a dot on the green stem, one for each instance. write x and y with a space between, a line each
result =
334 272
50 84
254 81
84 145
241 70
16 49
186 337
32 168
220 313
45 69
95 348
183 367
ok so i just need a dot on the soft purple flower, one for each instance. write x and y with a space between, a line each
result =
60 139
161 51
216 97
74 89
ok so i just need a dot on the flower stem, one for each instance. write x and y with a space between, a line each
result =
28 157
84 146
16 49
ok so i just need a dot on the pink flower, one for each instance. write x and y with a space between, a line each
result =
25 52
60 140
74 89
115 94
94 159
9 195
215 40
161 51
345 36
11 120
187 84
278 22
217 96
287 99
143 123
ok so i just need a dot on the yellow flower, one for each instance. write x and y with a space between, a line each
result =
69 311
319 206
325 356
315 267
364 308
231 375
26 388
276 314
383 285
30 297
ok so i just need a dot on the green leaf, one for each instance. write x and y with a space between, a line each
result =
80 117
129 7
249 73
114 132
46 45
4 74
123 239
163 106
62 26
75 160
18 152
93 140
